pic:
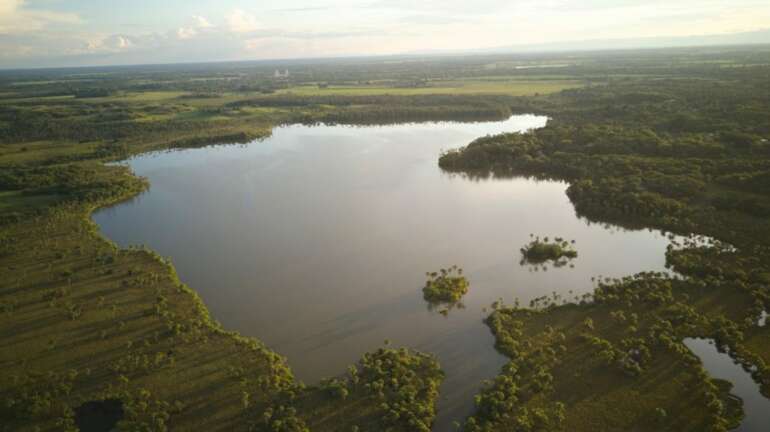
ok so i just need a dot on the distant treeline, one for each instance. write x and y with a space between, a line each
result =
115 121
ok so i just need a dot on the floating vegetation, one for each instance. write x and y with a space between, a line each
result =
559 251
445 287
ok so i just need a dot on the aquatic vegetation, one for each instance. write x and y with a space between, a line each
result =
445 286
558 251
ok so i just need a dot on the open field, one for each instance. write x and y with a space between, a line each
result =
458 87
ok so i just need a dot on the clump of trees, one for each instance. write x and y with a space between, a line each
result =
280 418
405 383
557 250
448 285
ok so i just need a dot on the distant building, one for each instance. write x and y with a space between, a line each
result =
281 75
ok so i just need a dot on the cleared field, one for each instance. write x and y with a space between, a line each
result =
511 87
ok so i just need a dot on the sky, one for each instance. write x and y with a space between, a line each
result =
38 33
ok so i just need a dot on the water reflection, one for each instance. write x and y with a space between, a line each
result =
444 308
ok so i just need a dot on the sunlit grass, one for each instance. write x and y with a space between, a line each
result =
462 87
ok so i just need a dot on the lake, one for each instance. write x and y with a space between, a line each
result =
316 240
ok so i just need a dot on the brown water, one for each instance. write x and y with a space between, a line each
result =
316 241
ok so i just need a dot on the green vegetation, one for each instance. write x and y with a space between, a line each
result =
674 140
683 155
539 251
613 363
390 389
445 286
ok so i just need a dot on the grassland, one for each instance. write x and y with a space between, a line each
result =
447 87
642 139
85 321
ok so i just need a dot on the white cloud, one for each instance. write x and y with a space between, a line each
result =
119 42
111 43
240 21
17 17
202 22
186 32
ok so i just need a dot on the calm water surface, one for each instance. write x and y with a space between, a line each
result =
719 365
316 241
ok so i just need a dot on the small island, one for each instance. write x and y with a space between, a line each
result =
445 286
538 251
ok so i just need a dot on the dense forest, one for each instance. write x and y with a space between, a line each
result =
675 140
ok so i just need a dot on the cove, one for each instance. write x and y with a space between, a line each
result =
756 407
316 240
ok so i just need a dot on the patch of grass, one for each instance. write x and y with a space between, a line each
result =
44 151
24 203
463 87
141 96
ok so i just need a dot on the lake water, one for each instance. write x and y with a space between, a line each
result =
316 240
719 365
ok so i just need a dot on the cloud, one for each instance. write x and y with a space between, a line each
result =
199 25
302 9
202 22
111 43
34 34
186 32
17 17
444 6
240 21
